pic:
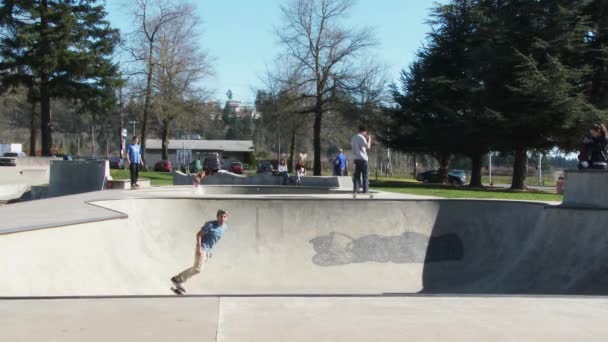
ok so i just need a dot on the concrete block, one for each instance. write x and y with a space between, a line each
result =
586 188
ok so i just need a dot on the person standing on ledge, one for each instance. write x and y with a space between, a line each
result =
134 160
361 143
209 234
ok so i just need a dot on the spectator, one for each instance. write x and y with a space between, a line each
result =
300 171
361 143
283 171
340 164
594 154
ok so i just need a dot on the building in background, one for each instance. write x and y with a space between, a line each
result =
187 150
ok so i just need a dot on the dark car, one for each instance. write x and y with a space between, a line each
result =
116 163
162 166
236 167
265 167
211 165
14 154
455 177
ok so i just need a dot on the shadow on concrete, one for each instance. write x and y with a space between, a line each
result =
340 249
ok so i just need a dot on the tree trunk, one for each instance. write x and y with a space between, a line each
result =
519 170
46 131
144 126
476 160
165 143
317 143
33 130
444 159
292 149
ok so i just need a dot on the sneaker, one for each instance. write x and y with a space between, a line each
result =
355 195
177 284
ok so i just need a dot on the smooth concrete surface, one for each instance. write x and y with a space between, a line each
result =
412 319
12 191
306 319
128 320
586 188
314 245
70 177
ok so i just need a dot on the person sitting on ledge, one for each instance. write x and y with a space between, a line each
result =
595 154
283 171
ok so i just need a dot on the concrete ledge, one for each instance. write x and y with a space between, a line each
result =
586 189
227 178
125 184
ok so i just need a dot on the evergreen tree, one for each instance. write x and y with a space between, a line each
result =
60 48
535 74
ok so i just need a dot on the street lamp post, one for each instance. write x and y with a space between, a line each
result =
490 168
133 122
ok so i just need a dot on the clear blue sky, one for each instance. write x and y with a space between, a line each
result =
239 35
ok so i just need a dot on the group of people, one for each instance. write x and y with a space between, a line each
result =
594 154
283 171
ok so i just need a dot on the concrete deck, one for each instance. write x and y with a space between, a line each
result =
230 319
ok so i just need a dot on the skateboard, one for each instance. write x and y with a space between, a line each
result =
368 195
178 291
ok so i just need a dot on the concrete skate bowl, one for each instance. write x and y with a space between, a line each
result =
290 246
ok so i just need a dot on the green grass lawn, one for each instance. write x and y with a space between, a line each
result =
408 187
156 178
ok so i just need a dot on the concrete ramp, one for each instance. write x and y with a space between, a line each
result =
70 177
316 246
28 172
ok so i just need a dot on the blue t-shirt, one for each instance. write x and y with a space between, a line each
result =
213 232
134 152
342 160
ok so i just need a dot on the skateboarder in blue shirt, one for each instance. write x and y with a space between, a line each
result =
206 238
134 160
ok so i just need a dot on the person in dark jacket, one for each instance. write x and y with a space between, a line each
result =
596 153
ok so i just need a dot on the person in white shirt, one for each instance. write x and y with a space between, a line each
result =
283 171
361 143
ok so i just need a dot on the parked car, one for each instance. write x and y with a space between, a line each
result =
455 177
264 167
162 166
211 165
115 162
14 154
195 166
236 167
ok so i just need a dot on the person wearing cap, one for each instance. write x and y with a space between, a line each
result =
206 238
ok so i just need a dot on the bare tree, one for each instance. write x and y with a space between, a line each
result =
284 104
150 17
327 54
181 66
